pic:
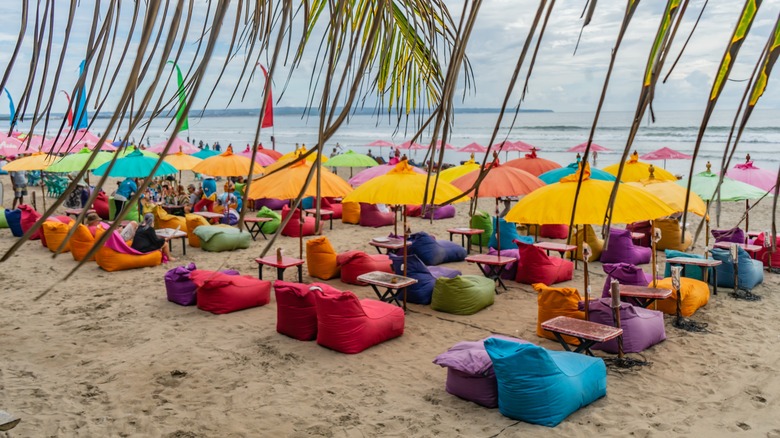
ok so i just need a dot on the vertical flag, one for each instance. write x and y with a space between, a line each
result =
70 110
268 116
182 97
11 108
82 119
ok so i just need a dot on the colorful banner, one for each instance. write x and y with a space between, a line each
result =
182 97
81 120
268 117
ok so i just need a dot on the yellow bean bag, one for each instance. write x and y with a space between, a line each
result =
350 213
321 258
587 234
194 221
81 242
116 255
556 301
670 235
54 233
163 219
695 294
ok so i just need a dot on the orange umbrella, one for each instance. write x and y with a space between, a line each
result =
533 164
226 164
270 152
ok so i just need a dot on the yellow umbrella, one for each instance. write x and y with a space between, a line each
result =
635 170
673 195
226 164
36 161
456 172
292 155
182 161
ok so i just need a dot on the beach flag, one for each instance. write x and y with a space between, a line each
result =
82 119
268 116
182 98
70 110
11 109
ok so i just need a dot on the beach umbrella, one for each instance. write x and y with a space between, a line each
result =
473 148
182 161
270 152
673 195
532 164
635 170
30 144
260 157
72 140
381 144
178 145
456 172
351 159
135 165
593 147
290 156
146 153
226 164
412 146
76 162
205 153
36 161
748 173
665 153
372 172
447 146
555 175
9 147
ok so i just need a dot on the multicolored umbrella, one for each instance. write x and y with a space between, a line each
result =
226 164
532 164
750 174
635 170
593 147
555 175
135 165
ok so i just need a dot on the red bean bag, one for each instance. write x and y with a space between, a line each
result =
356 263
371 216
29 218
335 207
765 255
222 293
535 266
349 325
101 206
296 310
293 228
414 210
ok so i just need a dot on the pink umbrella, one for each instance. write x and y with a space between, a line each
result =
446 145
178 145
665 154
755 176
381 144
72 141
593 147
9 147
473 147
411 146
261 158
372 172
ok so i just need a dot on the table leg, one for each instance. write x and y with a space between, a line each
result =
280 274
584 347
300 273
250 230
260 271
715 280
260 229
561 341
183 245
450 237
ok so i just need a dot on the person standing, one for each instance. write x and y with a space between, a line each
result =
125 191
19 184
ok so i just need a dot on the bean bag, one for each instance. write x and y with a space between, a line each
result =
223 293
695 294
463 295
413 210
294 228
335 207
624 273
508 236
671 233
356 263
482 221
276 220
435 252
14 220
470 374
349 325
420 292
350 213
321 258
550 231
694 272
3 221
162 219
588 235
54 232
28 219
553 302
734 235
179 287
116 255
132 214
535 266
750 273
194 221
510 270
439 212
296 310
372 216
270 203
642 328
765 254
101 206
307 202
644 228
622 249
218 238
81 242
544 387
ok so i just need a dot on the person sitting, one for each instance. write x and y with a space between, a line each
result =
193 196
146 239
93 221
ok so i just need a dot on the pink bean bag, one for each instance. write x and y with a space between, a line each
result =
101 206
349 325
296 310
371 216
356 263
535 266
335 207
293 228
551 231
223 293
29 218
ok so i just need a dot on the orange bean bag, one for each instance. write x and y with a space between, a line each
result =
350 213
321 258
356 263
194 221
81 242
162 219
54 232
556 301
116 255
587 234
695 294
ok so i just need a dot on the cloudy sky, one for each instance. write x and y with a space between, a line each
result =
562 81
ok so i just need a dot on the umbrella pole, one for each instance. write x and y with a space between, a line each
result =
498 231
587 286
395 221
653 245
406 236
707 230
300 235
747 219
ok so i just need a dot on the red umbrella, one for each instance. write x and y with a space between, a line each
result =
533 164
270 152
381 144
593 147
473 147
665 154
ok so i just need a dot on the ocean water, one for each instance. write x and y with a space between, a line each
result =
551 132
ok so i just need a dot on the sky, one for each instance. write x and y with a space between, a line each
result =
561 81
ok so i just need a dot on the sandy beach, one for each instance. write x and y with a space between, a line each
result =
105 354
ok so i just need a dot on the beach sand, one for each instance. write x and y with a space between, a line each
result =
105 354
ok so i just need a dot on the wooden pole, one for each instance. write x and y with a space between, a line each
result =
653 242
615 286
498 230
406 237
586 252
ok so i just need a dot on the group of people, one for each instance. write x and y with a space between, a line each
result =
144 238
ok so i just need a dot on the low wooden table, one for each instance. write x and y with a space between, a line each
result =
494 264
751 249
256 226
394 285
287 262
170 234
466 233
560 248
754 234
587 332
644 295
209 215
323 214
75 212
390 244
637 236
702 263
173 208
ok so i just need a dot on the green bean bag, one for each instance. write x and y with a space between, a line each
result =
218 238
463 295
3 221
483 221
270 227
132 214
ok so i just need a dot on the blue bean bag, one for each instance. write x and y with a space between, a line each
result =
544 387
420 292
435 252
14 219
750 272
508 236
695 272
3 222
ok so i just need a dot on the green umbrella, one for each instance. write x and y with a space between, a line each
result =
77 161
127 151
205 153
135 165
704 183
351 159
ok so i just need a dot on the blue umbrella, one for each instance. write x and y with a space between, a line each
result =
555 175
205 153
135 165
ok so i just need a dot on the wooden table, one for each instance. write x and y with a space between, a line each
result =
466 232
561 248
587 332
75 212
287 262
256 226
173 208
702 263
751 249
492 265
170 234
637 236
394 285
754 234
390 244
323 214
644 295
209 215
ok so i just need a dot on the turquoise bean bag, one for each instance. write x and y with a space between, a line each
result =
216 238
276 219
695 272
482 221
750 273
508 236
463 295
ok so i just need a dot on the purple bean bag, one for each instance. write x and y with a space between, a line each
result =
422 291
734 235
642 328
273 204
624 273
180 288
439 212
621 249
372 216
470 373
510 271
434 252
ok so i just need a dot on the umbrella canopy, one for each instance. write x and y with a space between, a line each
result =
178 145
517 146
635 170
755 176
36 161
226 164
72 140
260 157
500 181
447 146
351 159
555 175
402 185
9 147
381 144
294 154
373 172
593 147
665 154
552 204
77 161
31 144
412 146
127 151
205 153
673 195
703 184
287 184
533 164
456 172
473 147
270 152
182 161
135 165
